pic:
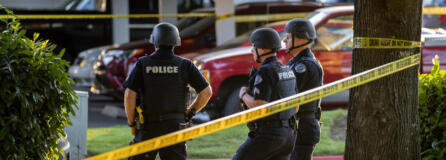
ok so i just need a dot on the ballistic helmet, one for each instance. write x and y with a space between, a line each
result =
266 38
165 34
301 28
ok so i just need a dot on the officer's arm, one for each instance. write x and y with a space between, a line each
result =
201 100
129 104
251 102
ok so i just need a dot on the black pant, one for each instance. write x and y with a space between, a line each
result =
308 135
151 130
275 143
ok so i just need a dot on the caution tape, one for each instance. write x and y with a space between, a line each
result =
106 16
225 16
261 111
434 10
269 17
238 19
383 43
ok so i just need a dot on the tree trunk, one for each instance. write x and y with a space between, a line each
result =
382 118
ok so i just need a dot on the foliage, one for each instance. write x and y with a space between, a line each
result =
432 112
35 97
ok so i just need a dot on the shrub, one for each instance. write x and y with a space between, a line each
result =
432 112
35 96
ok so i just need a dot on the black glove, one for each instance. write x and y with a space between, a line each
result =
190 115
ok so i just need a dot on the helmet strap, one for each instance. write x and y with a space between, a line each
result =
258 56
294 47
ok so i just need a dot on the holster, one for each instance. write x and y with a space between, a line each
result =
252 126
294 122
319 115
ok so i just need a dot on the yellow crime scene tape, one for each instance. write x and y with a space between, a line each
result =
434 10
383 43
261 111
240 18
105 16
269 17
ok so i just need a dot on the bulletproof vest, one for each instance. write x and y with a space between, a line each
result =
284 87
301 87
165 86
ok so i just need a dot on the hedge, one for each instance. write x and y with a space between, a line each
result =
432 113
35 96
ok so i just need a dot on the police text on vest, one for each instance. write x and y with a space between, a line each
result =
162 69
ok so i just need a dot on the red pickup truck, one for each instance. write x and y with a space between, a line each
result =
227 70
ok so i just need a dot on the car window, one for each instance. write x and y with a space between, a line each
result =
196 27
243 40
335 34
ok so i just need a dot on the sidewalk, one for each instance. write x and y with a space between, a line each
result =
337 157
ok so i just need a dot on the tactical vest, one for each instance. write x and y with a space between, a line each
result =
283 88
310 106
165 86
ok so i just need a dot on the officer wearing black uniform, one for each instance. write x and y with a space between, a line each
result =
162 80
309 74
271 137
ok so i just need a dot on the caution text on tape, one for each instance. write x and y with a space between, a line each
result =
383 43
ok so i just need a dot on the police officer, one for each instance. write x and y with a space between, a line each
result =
162 79
273 136
300 34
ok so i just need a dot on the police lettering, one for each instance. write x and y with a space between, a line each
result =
162 69
286 75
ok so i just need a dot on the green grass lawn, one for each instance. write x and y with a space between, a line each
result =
221 144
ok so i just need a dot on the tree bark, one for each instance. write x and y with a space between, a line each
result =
382 118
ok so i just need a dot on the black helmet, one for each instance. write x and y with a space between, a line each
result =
266 38
165 34
301 28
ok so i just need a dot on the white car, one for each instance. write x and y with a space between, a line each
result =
81 71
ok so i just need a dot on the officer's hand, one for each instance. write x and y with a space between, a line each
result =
133 130
189 114
242 91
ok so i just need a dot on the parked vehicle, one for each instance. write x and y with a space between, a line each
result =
197 36
81 71
111 68
227 70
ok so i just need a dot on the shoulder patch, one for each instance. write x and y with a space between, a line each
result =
300 68
258 80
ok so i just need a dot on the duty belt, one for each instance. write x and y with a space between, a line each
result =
275 123
162 117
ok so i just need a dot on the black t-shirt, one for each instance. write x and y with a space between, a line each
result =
194 78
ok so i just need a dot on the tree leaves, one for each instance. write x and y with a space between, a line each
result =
35 98
432 112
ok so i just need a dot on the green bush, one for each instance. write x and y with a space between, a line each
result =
432 112
35 96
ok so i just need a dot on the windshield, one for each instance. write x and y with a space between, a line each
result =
190 28
316 17
335 34
242 40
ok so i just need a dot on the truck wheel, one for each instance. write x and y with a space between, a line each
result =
232 103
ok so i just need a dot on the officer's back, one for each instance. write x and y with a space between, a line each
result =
162 80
